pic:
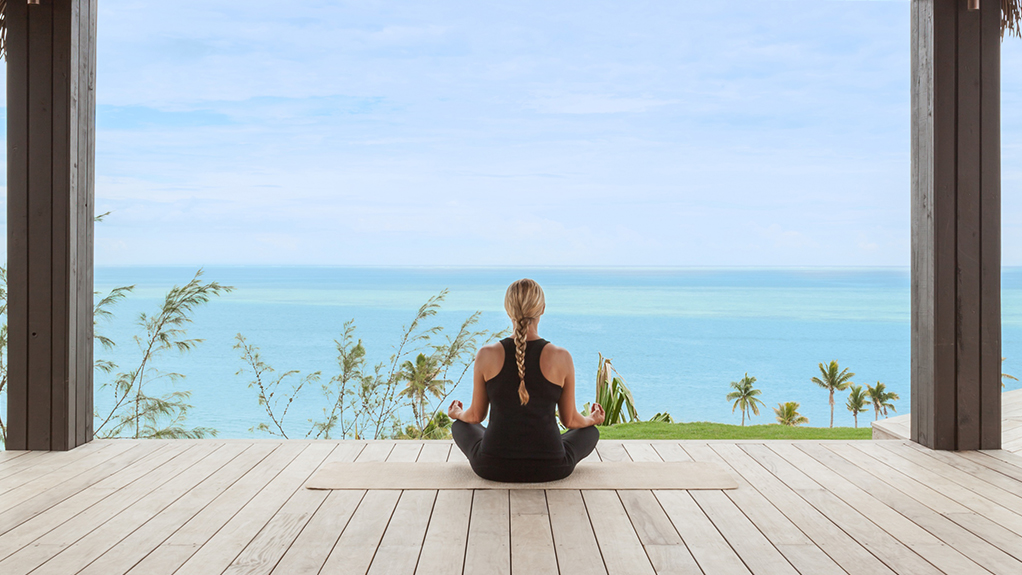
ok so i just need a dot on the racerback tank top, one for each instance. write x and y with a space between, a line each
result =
517 431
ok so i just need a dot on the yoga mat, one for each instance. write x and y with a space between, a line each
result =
459 475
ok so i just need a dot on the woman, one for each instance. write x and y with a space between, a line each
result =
524 378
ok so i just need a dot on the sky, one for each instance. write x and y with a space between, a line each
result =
749 133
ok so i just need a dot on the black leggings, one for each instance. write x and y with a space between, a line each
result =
578 443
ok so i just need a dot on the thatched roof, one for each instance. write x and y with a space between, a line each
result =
1011 22
1011 16
3 29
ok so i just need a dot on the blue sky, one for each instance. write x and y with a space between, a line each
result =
515 133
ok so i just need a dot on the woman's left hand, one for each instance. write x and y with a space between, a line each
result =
455 410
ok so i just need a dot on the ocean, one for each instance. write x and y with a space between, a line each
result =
678 336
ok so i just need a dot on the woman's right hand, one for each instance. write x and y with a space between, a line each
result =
455 410
597 414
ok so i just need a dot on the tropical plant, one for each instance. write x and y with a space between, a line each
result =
662 418
365 402
613 394
833 379
744 396
1004 375
275 403
787 414
135 413
858 402
421 379
881 399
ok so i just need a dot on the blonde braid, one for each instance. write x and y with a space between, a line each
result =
524 302
520 328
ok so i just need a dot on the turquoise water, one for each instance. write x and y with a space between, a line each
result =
678 336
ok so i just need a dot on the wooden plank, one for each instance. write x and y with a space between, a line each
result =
40 241
399 550
967 222
612 451
671 452
443 550
309 551
990 227
532 543
933 223
6 456
125 554
897 526
220 550
66 534
786 537
94 543
404 451
969 468
968 497
376 452
934 500
52 472
263 553
17 224
457 454
664 547
843 549
999 465
489 537
574 539
433 452
127 466
31 459
619 543
184 542
755 550
86 204
885 546
357 545
708 546
935 523
62 356
642 452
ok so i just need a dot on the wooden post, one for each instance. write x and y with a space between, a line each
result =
956 198
51 75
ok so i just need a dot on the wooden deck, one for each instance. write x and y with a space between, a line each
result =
232 506
899 427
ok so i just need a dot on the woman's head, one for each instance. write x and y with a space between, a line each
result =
524 303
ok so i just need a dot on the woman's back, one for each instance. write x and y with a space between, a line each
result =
517 431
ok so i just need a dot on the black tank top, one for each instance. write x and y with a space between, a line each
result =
517 431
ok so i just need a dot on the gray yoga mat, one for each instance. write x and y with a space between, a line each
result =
459 475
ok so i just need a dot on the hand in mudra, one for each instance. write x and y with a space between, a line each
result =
597 414
455 410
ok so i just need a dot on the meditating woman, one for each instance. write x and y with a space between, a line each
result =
524 378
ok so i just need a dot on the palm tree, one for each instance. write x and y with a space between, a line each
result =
787 414
744 396
1004 375
832 381
881 399
422 382
857 402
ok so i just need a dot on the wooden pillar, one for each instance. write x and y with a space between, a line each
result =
956 198
51 75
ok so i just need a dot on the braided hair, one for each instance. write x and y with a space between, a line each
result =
524 303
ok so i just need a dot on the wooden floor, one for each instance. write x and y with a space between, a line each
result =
1011 423
206 507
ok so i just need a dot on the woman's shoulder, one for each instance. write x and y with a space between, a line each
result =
491 352
555 350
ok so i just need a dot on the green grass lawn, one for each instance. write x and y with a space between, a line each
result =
705 430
